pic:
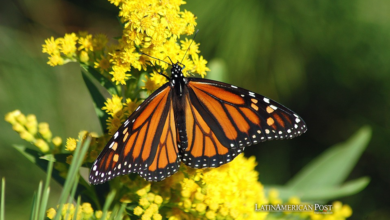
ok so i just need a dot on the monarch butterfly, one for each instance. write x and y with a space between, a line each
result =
199 122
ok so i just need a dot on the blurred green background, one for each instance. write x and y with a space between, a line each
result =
326 60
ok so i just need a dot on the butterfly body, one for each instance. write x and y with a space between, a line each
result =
199 122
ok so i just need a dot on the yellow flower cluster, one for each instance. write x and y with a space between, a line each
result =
118 111
153 27
30 130
85 211
228 192
81 47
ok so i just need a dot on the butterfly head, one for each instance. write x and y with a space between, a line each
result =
176 71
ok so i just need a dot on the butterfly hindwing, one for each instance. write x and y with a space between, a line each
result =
203 148
230 118
143 144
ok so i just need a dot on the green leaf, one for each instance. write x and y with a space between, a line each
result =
72 177
31 155
322 193
104 82
35 157
333 166
97 97
2 199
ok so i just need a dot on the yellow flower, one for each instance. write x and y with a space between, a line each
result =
150 85
67 208
141 192
50 213
98 214
86 43
87 210
103 64
31 124
55 60
189 18
51 46
130 57
193 50
57 141
11 116
158 200
138 211
200 65
113 105
210 215
120 74
158 79
68 44
44 130
113 123
157 216
346 211
201 207
42 145
99 42
70 144
27 136
144 202
84 57
131 106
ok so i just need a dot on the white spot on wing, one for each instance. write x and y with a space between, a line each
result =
266 100
116 135
234 86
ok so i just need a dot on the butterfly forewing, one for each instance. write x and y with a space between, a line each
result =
139 145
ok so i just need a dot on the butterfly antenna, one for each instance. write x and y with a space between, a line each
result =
170 60
161 73
190 45
153 57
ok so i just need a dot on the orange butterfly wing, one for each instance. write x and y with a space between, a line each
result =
221 120
144 144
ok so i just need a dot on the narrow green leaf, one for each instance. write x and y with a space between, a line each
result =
2 200
42 161
114 212
38 201
333 166
110 198
33 206
97 98
77 207
81 150
43 206
119 215
31 155
104 82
